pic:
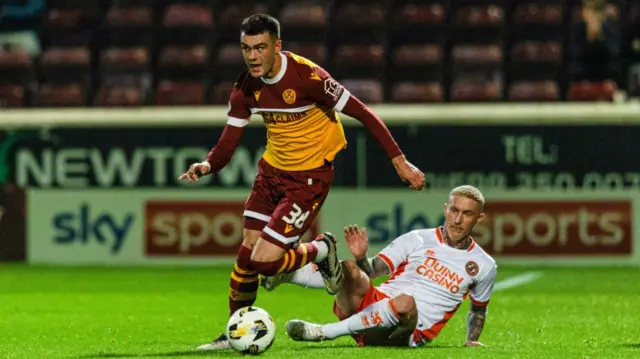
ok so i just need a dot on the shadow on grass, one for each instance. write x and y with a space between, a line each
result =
190 353
631 346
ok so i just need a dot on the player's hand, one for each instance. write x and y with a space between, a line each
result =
408 173
196 171
357 241
471 343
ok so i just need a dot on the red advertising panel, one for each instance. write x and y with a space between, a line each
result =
567 227
195 228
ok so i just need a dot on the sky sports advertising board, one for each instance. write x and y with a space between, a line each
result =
204 227
491 157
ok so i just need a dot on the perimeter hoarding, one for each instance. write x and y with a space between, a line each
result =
205 226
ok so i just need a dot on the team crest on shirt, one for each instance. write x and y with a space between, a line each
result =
289 96
472 268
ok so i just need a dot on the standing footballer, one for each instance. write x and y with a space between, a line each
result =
298 101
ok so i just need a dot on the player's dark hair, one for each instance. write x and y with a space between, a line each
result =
258 23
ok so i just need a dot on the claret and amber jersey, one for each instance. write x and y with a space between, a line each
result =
299 107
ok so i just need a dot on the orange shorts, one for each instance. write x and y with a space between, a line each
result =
373 295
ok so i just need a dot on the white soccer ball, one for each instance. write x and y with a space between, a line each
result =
251 330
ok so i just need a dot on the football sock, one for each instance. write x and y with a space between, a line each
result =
243 285
380 314
292 260
323 251
308 277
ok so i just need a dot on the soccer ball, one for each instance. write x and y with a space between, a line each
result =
251 330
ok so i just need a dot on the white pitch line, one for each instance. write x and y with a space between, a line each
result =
516 281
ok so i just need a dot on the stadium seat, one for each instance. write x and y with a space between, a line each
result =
427 54
479 16
16 67
170 93
129 16
533 13
534 91
125 59
367 90
358 61
61 95
303 15
537 52
176 56
221 92
469 54
417 15
591 91
416 92
12 96
119 96
188 15
316 52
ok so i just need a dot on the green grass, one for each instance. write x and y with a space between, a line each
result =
53 312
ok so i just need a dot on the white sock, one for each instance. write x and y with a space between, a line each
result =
308 277
377 315
323 251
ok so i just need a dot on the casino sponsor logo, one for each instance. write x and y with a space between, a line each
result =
440 274
556 227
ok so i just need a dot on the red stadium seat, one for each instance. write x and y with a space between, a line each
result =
534 91
171 93
183 56
221 92
316 52
188 15
367 90
417 54
359 55
233 14
476 16
11 96
302 14
129 16
61 95
591 91
425 14
119 96
125 59
464 91
360 15
411 92
537 51
71 56
533 13
477 54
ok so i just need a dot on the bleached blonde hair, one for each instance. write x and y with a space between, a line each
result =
469 192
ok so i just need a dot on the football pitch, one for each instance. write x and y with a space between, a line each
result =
127 312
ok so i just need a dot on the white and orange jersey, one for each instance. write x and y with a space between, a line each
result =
438 277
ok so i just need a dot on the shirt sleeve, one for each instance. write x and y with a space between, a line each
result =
398 251
326 90
481 292
239 113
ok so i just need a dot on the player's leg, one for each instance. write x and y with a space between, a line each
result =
306 277
387 322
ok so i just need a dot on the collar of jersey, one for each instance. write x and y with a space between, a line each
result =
278 77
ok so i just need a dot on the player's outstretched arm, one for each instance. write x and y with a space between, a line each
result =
358 243
475 323
219 155
407 172
223 151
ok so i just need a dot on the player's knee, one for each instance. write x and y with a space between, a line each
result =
405 305
350 269
250 237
